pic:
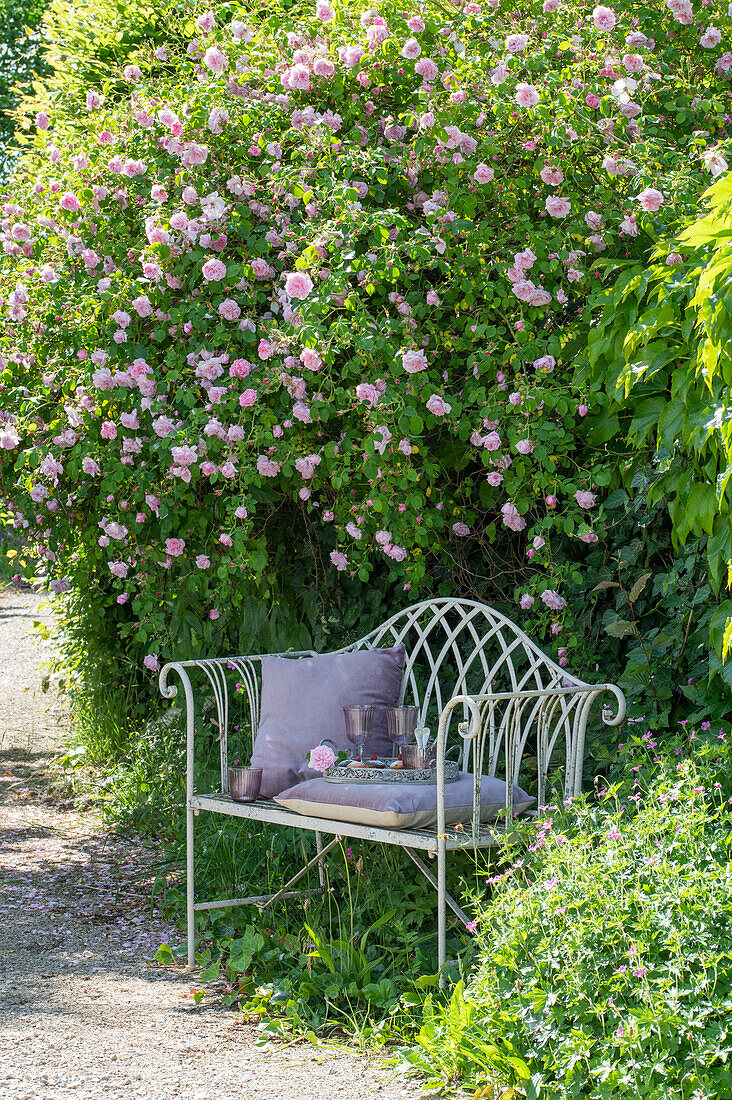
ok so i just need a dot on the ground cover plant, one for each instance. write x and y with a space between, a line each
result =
605 949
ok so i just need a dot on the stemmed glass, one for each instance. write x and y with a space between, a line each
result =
401 723
359 726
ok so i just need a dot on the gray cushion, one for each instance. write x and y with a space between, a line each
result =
302 701
400 805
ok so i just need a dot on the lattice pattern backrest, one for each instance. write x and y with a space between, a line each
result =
460 647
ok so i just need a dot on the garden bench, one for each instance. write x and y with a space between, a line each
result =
463 660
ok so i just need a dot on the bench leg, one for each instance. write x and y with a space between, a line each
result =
441 911
317 858
190 892
321 867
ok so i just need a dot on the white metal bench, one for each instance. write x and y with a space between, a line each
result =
462 657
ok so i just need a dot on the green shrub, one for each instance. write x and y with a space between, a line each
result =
382 249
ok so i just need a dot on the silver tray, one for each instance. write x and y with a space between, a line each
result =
340 773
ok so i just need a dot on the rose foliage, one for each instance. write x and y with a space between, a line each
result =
313 284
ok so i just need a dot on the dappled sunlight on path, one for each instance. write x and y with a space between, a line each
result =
85 1013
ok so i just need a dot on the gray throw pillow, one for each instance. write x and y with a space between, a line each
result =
400 805
302 701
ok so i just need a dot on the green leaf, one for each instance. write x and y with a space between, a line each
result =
638 587
620 628
701 508
646 418
210 973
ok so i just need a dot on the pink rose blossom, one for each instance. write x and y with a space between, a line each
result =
215 60
712 37
69 201
307 466
427 69
324 12
527 95
322 758
604 18
298 78
553 600
630 226
526 601
324 68
557 207
411 49
229 310
651 199
193 155
633 63
340 561
437 405
552 176
152 662
585 499
206 22
413 361
483 173
368 394
515 43
142 306
310 359
511 517
298 284
174 547
213 270
266 467
248 398
163 426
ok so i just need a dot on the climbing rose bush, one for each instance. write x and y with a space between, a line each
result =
339 258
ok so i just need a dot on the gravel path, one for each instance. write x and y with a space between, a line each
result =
84 1012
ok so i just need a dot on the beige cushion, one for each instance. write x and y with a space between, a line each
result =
399 805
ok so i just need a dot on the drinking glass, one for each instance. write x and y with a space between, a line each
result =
359 726
401 723
244 784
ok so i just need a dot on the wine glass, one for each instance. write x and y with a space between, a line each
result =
359 726
401 723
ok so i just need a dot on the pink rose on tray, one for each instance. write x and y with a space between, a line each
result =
322 758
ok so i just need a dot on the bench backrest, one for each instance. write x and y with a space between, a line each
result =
461 647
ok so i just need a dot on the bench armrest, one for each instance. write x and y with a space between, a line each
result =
221 673
499 723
